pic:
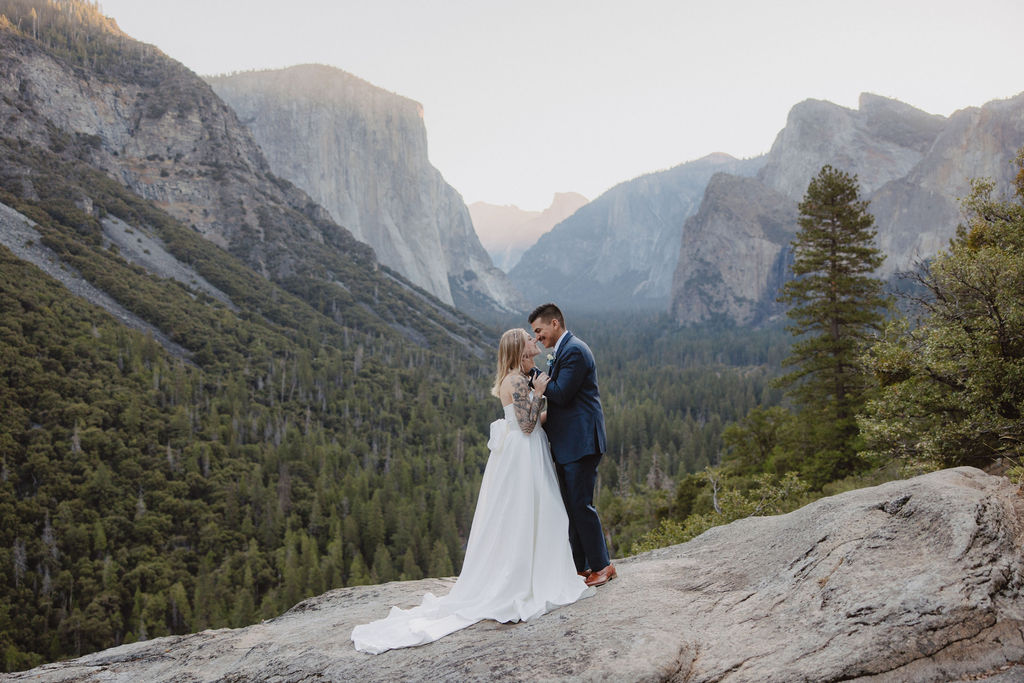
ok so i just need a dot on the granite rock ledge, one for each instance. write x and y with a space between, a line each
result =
914 580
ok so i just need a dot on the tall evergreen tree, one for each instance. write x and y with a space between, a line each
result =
837 305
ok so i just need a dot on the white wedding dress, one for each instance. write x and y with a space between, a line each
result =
518 563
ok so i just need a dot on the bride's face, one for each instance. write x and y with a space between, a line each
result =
531 349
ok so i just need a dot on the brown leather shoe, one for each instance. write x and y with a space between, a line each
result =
585 573
601 577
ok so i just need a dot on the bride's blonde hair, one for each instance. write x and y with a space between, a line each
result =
510 355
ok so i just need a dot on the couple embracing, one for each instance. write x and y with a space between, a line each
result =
536 542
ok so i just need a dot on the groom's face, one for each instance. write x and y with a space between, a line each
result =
547 331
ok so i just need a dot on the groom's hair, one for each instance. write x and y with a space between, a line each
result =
547 313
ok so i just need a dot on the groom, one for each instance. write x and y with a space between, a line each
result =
575 428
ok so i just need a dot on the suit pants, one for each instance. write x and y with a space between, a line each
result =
586 537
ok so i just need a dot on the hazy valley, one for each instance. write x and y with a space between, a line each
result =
508 231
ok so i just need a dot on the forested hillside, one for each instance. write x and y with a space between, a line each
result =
146 493
669 394
265 455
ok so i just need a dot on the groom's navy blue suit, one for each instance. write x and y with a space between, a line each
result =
575 428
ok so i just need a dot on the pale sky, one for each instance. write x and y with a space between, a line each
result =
527 98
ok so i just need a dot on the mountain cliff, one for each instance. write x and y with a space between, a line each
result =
361 152
620 250
916 580
508 231
730 252
912 166
84 95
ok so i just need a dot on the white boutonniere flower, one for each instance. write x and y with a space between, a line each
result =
551 359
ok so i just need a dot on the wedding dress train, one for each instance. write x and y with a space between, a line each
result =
518 564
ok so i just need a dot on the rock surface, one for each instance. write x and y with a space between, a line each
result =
913 580
913 168
361 152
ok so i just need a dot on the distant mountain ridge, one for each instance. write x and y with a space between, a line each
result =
361 152
619 251
912 166
508 231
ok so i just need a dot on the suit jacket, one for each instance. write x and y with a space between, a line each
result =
575 424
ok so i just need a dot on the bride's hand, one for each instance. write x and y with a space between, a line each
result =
540 383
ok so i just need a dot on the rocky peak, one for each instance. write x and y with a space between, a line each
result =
731 251
93 101
162 132
899 123
916 580
566 203
881 141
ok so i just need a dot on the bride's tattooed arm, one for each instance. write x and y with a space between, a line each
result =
527 409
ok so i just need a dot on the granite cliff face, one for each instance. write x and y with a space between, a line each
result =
917 580
157 129
361 152
620 251
731 252
508 231
913 167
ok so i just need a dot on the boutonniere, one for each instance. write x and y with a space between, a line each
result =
551 359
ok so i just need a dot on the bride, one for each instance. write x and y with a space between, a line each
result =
518 563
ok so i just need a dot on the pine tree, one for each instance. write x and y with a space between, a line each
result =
357 573
410 570
244 607
440 561
837 305
383 567
181 610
